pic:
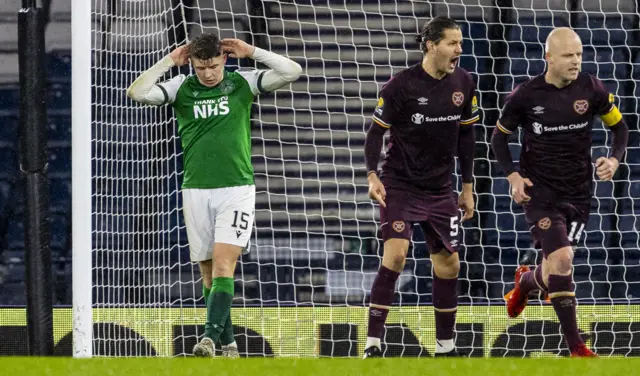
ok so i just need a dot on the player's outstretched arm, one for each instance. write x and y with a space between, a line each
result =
283 70
144 88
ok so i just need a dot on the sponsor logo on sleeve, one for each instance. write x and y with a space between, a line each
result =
379 106
611 98
474 104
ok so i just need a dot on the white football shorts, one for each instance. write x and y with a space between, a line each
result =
220 215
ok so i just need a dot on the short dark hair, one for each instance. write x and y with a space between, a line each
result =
205 46
434 31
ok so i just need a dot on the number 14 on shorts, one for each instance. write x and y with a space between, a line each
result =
574 235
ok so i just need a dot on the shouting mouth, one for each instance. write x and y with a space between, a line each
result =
454 62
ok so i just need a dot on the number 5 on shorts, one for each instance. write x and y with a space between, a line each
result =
454 226
244 222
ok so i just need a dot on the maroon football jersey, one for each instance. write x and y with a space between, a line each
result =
424 115
557 123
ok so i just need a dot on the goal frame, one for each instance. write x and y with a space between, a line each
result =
82 285
83 168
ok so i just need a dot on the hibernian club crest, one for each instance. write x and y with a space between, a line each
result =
227 87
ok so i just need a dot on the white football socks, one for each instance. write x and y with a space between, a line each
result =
444 345
373 341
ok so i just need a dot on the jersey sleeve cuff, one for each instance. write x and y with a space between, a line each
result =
470 121
164 92
380 122
261 89
503 129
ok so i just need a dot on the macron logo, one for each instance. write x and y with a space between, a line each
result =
538 110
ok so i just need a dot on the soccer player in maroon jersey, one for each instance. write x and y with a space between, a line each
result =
556 111
430 109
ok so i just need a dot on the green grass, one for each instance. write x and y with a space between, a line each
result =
342 367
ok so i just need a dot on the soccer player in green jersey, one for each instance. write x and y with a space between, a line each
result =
213 109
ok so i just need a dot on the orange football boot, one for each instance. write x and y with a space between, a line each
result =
516 300
583 352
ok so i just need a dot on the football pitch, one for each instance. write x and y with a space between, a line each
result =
345 367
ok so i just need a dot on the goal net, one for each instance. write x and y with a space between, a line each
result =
303 288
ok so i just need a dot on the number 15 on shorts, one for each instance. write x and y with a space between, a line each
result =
242 223
240 220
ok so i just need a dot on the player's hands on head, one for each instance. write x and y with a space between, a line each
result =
180 55
518 186
376 189
466 203
606 168
237 48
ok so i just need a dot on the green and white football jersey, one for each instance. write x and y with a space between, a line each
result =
214 127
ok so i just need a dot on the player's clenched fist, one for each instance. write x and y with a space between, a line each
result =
606 168
376 189
518 185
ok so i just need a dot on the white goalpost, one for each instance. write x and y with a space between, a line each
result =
81 179
302 291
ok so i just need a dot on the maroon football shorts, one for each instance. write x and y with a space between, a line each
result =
555 223
437 214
